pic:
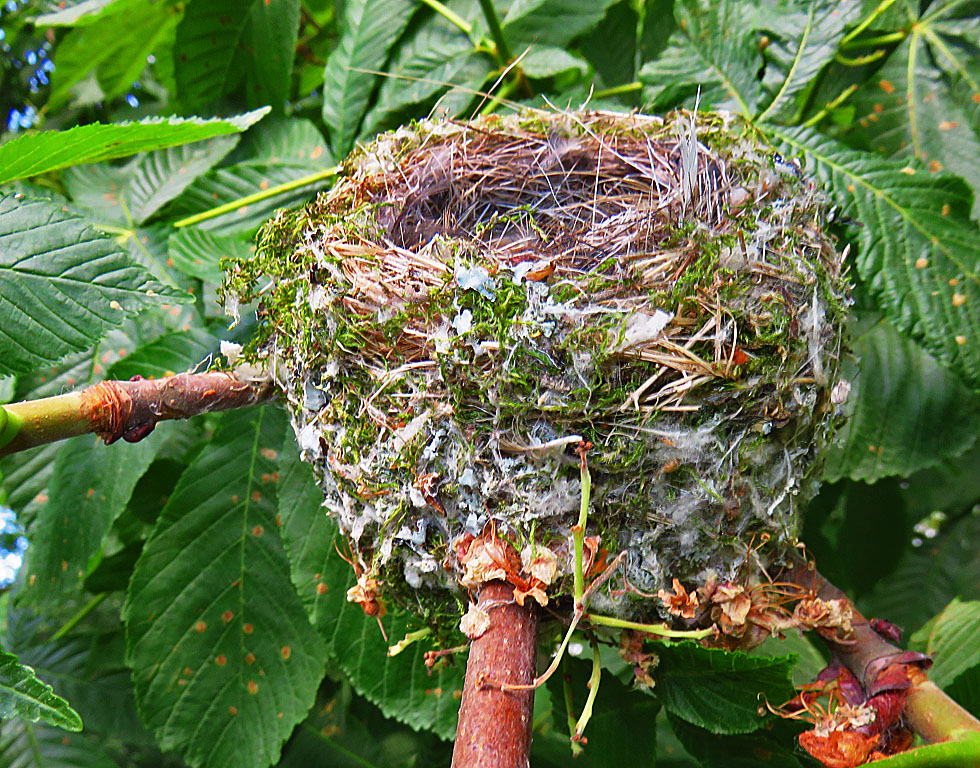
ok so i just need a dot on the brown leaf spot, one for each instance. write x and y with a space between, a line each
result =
959 299
200 626
953 282
908 170
946 209
258 530
878 108
321 588
947 125
182 682
248 629
961 340
188 671
64 565
90 493
232 710
269 453
279 521
256 497
249 658
886 86
850 188
227 616
935 166
921 263
221 660
253 687
286 652
234 499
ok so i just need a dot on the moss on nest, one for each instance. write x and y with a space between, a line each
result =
473 299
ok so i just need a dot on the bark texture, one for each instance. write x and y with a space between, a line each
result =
495 726
125 409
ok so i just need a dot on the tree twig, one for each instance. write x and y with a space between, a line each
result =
124 409
928 710
494 724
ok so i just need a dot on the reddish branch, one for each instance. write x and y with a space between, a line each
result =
880 667
495 725
125 409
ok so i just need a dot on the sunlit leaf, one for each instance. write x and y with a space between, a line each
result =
62 284
35 153
551 22
804 37
711 51
919 255
954 639
23 695
922 103
370 28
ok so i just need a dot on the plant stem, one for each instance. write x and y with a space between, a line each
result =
494 724
449 15
84 611
256 197
124 409
661 630
930 712
616 90
504 54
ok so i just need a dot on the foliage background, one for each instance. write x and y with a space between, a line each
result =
182 593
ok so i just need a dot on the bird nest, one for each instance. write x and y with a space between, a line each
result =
472 301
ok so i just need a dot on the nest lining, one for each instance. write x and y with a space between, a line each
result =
471 300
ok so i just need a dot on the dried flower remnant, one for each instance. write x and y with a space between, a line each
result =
472 300
681 603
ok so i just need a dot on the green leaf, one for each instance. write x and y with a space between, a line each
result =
224 659
90 487
954 637
399 685
899 398
551 22
198 253
369 30
35 153
270 39
612 46
169 354
436 58
63 285
161 176
24 744
114 48
919 104
285 151
78 12
962 753
718 690
804 38
547 61
712 50
918 255
23 695
745 751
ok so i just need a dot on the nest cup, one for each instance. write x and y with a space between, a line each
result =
473 300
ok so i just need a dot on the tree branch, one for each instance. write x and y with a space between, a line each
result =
124 409
495 725
928 711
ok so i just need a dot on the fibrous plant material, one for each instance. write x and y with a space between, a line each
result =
474 300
